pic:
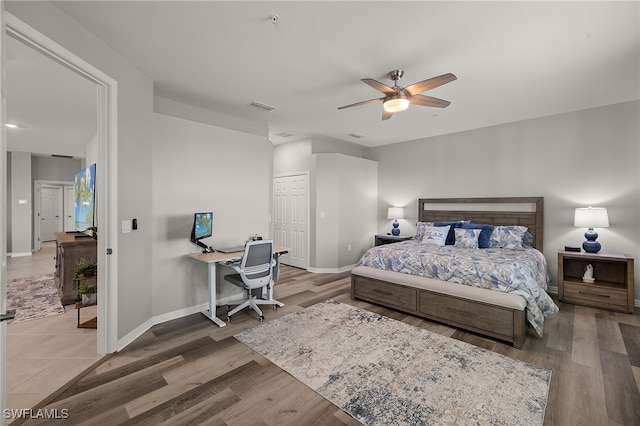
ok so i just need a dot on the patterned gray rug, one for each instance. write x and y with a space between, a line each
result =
33 297
385 372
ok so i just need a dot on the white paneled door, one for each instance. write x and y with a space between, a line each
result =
50 212
291 218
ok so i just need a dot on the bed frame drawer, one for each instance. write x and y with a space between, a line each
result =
388 294
467 313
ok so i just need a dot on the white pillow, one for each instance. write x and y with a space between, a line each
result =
467 238
435 235
509 237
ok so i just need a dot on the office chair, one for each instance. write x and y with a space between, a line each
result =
255 271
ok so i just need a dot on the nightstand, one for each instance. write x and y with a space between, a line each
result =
382 239
613 280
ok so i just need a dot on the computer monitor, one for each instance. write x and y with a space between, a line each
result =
202 228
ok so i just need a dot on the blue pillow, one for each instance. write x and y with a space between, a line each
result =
484 240
451 236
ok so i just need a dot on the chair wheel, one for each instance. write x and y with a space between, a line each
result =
261 317
276 307
228 319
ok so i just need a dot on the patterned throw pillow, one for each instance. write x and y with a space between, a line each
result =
509 237
467 238
435 235
420 230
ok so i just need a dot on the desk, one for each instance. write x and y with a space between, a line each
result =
212 259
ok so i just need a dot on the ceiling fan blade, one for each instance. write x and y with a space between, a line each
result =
429 84
428 101
386 114
370 101
379 86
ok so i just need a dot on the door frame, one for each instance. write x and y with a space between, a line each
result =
273 204
106 174
37 185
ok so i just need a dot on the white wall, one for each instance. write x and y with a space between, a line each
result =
199 167
20 204
578 159
134 148
346 201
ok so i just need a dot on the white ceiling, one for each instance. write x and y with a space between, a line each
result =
514 60
54 107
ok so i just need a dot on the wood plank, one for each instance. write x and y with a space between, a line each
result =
187 371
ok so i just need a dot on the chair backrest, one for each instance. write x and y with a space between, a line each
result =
256 268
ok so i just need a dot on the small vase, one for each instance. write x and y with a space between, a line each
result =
89 299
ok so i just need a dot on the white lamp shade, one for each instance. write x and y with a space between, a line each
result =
395 213
591 217
396 104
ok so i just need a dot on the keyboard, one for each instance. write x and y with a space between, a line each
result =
230 249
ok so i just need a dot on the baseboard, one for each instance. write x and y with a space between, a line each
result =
331 270
19 254
144 327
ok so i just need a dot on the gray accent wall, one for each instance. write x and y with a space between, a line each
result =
577 159
199 168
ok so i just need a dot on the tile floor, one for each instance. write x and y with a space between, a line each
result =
44 354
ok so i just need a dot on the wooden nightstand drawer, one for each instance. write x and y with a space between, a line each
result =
594 295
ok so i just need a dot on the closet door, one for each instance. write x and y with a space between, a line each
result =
291 218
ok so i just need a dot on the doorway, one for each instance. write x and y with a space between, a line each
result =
291 217
52 210
106 155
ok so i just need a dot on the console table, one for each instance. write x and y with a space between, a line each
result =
71 247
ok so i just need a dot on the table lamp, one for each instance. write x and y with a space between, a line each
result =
591 217
395 213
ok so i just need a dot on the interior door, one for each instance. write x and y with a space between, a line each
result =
291 218
69 210
50 212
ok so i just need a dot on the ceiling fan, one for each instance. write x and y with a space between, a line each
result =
398 98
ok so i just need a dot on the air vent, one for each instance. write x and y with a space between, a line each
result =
284 135
262 106
61 156
356 135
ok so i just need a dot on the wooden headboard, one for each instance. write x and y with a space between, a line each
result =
524 211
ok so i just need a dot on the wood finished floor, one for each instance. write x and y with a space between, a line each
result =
188 371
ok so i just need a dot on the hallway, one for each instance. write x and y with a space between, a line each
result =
44 354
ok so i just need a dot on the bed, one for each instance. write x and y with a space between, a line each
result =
498 290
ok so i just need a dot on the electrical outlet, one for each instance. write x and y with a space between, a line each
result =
348 247
126 226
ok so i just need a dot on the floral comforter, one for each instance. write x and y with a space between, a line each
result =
521 272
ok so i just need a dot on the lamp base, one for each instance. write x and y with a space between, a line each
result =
591 245
396 230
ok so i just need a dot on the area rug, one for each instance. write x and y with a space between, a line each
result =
33 298
385 372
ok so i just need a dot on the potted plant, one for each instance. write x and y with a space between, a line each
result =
88 292
84 267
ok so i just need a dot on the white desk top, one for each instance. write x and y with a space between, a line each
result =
216 256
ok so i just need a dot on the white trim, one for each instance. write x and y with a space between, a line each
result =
141 329
107 196
331 270
37 205
19 254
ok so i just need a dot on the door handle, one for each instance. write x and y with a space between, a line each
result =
11 314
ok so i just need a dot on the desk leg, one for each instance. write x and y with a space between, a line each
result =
211 312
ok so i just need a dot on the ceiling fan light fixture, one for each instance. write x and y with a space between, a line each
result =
396 103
